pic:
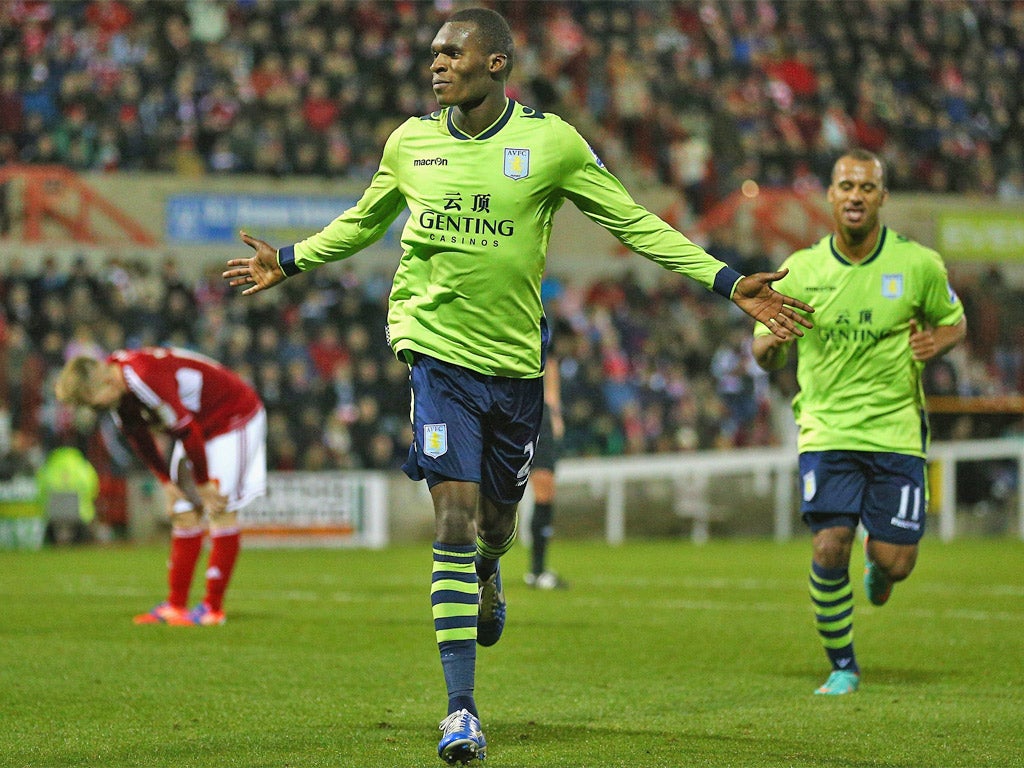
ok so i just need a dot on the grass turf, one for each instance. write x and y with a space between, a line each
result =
659 654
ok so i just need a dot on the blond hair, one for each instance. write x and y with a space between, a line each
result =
78 380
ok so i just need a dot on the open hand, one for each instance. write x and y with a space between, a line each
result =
755 296
257 272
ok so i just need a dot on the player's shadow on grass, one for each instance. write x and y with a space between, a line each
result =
872 675
901 675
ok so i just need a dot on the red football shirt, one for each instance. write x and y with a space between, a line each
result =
187 395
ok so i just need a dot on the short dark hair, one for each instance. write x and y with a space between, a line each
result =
862 156
494 31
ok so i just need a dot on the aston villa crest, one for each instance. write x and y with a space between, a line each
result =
435 440
892 286
810 485
517 163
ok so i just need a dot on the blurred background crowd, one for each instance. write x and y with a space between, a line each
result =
643 368
697 95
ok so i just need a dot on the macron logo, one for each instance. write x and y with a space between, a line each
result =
431 161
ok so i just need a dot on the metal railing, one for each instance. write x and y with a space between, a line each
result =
949 454
773 471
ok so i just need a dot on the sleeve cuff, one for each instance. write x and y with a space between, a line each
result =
725 281
286 260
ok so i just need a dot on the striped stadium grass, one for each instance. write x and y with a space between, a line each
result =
661 653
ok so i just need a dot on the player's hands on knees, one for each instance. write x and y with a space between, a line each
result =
257 272
172 495
755 296
213 502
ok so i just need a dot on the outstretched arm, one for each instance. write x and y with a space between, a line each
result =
258 272
755 296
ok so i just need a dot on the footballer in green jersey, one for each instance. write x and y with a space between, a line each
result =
467 288
860 386
482 178
884 307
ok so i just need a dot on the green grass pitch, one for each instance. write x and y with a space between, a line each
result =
660 654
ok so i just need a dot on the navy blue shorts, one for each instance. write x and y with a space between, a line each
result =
887 492
473 428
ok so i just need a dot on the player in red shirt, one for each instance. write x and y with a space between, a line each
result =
217 465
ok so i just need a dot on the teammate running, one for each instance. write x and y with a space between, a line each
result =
884 308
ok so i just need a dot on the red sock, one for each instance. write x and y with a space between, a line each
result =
224 546
185 546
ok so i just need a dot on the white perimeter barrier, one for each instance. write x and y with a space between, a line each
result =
948 454
351 508
319 509
771 468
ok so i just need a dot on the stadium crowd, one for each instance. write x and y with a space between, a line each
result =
644 368
700 94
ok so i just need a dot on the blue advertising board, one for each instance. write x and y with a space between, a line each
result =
217 218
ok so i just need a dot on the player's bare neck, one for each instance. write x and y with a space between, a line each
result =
475 117
855 246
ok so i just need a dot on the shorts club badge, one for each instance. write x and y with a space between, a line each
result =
435 440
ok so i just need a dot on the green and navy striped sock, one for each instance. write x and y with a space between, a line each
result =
832 597
487 556
454 603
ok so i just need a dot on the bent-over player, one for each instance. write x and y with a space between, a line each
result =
217 461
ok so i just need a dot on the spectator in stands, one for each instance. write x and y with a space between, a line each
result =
12 111
22 375
885 308
1011 186
736 374
319 108
19 458
327 350
108 16
42 150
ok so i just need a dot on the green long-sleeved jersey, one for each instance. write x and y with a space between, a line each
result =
467 289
